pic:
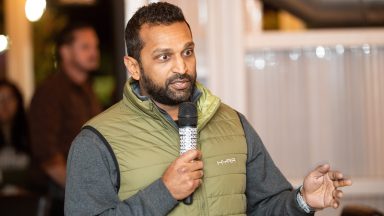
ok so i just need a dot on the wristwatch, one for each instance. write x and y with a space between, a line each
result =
302 203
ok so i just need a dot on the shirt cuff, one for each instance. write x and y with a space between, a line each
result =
158 197
303 205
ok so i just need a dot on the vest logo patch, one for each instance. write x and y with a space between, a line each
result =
226 161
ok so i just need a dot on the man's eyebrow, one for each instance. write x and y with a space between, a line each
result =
167 50
160 50
189 44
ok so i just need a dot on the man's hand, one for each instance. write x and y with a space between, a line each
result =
184 175
320 188
56 169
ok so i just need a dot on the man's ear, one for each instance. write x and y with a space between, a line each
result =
64 52
132 66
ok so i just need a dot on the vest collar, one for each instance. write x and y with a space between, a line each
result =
207 103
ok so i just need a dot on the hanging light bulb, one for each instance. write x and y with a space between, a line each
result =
3 43
34 9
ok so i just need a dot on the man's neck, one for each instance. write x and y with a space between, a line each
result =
172 111
76 75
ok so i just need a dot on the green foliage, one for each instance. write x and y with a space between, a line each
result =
104 85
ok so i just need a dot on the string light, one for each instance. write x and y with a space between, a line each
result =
34 9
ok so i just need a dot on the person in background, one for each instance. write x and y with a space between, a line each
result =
63 103
126 160
14 143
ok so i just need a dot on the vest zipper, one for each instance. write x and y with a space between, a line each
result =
203 204
166 123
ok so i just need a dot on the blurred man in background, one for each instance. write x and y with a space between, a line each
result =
63 103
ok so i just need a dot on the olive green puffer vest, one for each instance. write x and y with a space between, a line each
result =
145 143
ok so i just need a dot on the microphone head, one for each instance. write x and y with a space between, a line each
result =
187 114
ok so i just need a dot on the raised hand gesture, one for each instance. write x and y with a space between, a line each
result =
321 187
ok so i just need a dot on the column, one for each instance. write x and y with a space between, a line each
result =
19 63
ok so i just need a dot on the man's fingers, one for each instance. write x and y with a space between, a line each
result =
190 167
193 184
335 204
191 155
198 182
321 170
337 194
342 183
335 175
196 175
196 165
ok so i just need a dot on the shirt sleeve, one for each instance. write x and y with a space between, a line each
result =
268 191
44 115
92 188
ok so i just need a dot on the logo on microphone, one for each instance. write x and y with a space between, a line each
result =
226 161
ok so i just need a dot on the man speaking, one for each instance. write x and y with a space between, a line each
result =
126 161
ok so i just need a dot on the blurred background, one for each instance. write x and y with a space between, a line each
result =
308 74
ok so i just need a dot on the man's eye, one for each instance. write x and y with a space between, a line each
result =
163 57
188 52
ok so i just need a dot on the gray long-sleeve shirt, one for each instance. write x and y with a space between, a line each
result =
92 183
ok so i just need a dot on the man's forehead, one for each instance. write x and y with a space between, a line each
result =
160 35
84 34
84 30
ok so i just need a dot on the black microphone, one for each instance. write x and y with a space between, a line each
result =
188 132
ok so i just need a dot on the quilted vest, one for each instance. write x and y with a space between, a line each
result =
145 143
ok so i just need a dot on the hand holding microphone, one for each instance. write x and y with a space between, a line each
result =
184 175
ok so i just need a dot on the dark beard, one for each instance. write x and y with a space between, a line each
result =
165 95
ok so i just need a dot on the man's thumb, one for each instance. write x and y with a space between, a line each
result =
321 170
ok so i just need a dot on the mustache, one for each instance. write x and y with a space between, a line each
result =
178 77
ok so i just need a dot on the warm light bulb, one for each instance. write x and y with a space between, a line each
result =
34 9
3 43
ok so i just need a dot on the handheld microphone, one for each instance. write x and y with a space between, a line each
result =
188 132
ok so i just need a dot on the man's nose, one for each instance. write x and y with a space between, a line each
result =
180 66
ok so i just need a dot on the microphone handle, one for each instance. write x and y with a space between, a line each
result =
188 137
188 200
